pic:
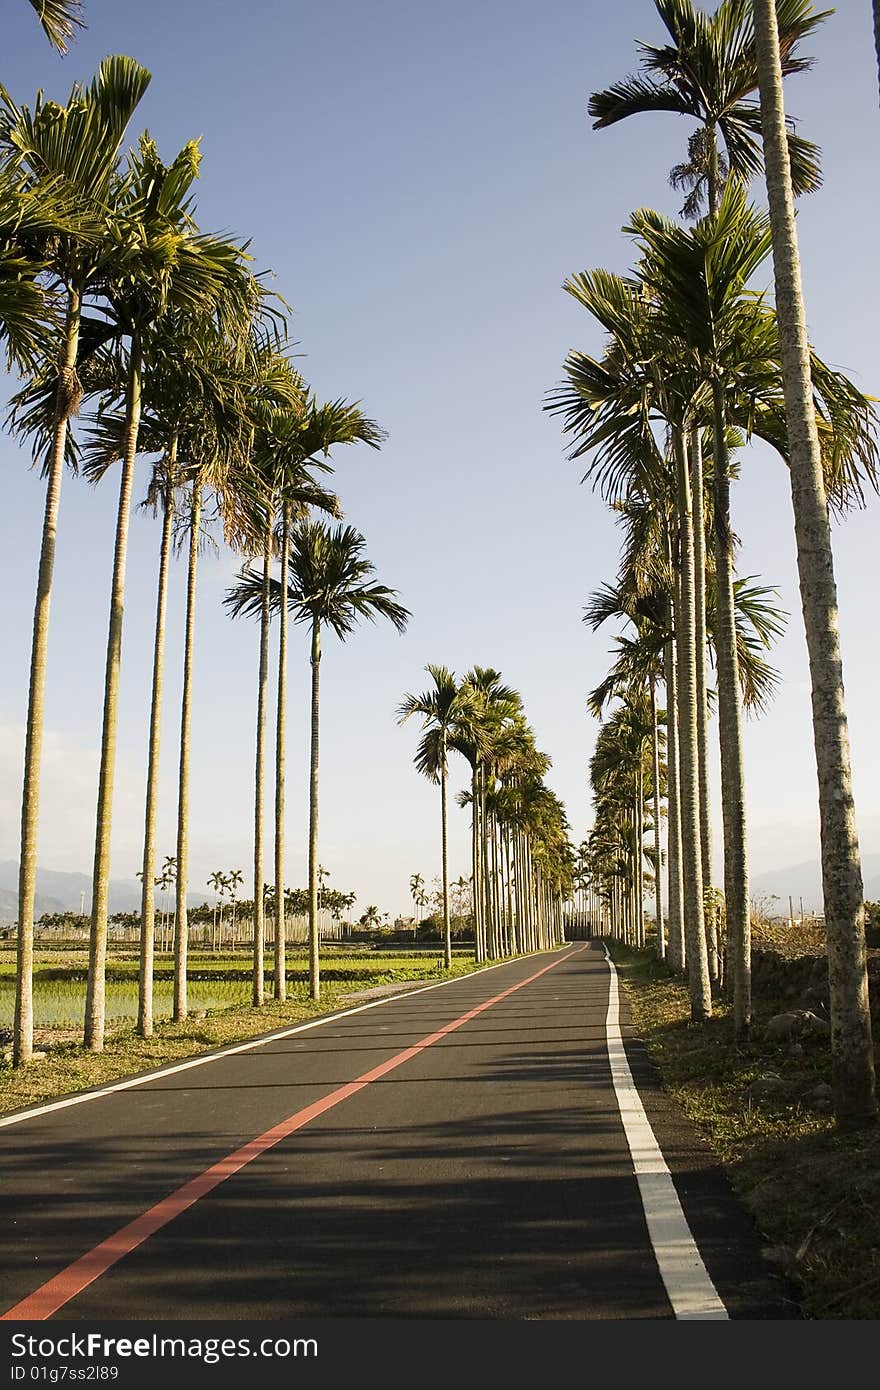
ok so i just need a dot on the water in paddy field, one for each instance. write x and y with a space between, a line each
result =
61 1004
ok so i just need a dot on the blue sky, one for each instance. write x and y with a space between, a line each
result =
421 180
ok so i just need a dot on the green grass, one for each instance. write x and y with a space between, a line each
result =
815 1193
213 982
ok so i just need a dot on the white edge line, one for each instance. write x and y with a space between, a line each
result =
688 1285
19 1116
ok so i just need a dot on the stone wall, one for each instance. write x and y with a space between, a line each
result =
802 982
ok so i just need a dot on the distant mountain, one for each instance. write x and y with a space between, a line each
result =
805 881
9 906
58 891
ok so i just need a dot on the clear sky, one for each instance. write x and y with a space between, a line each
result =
421 179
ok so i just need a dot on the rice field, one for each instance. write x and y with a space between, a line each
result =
61 1003
214 982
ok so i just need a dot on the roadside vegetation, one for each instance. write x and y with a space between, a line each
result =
764 1106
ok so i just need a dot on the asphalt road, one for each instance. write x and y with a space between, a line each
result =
433 1155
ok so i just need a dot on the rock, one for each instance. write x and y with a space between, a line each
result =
200 1014
767 1086
782 1026
814 1026
799 1023
38 1056
821 1092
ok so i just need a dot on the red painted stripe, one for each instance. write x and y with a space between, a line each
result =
58 1291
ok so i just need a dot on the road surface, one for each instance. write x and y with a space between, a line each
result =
471 1150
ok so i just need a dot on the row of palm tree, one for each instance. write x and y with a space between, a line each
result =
522 856
696 363
112 298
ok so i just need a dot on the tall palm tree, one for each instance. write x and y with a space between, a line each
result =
439 707
193 392
416 884
60 20
291 432
609 405
709 73
488 710
76 146
174 268
299 442
161 495
330 585
855 1100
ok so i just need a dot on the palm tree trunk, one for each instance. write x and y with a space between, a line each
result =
479 935
733 795
487 879
259 778
280 938
658 879
513 927
447 933
66 403
702 703
689 792
93 1037
148 875
181 929
675 910
314 961
640 851
855 1101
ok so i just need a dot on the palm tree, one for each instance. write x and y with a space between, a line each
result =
298 442
76 146
611 404
162 493
490 714
329 585
439 707
855 1101
416 884
60 20
709 74
234 880
166 882
175 268
216 883
290 431
193 393
29 324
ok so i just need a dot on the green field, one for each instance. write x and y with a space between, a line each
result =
214 982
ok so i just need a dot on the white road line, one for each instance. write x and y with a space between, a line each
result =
81 1097
690 1290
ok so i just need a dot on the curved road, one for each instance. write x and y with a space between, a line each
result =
468 1150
